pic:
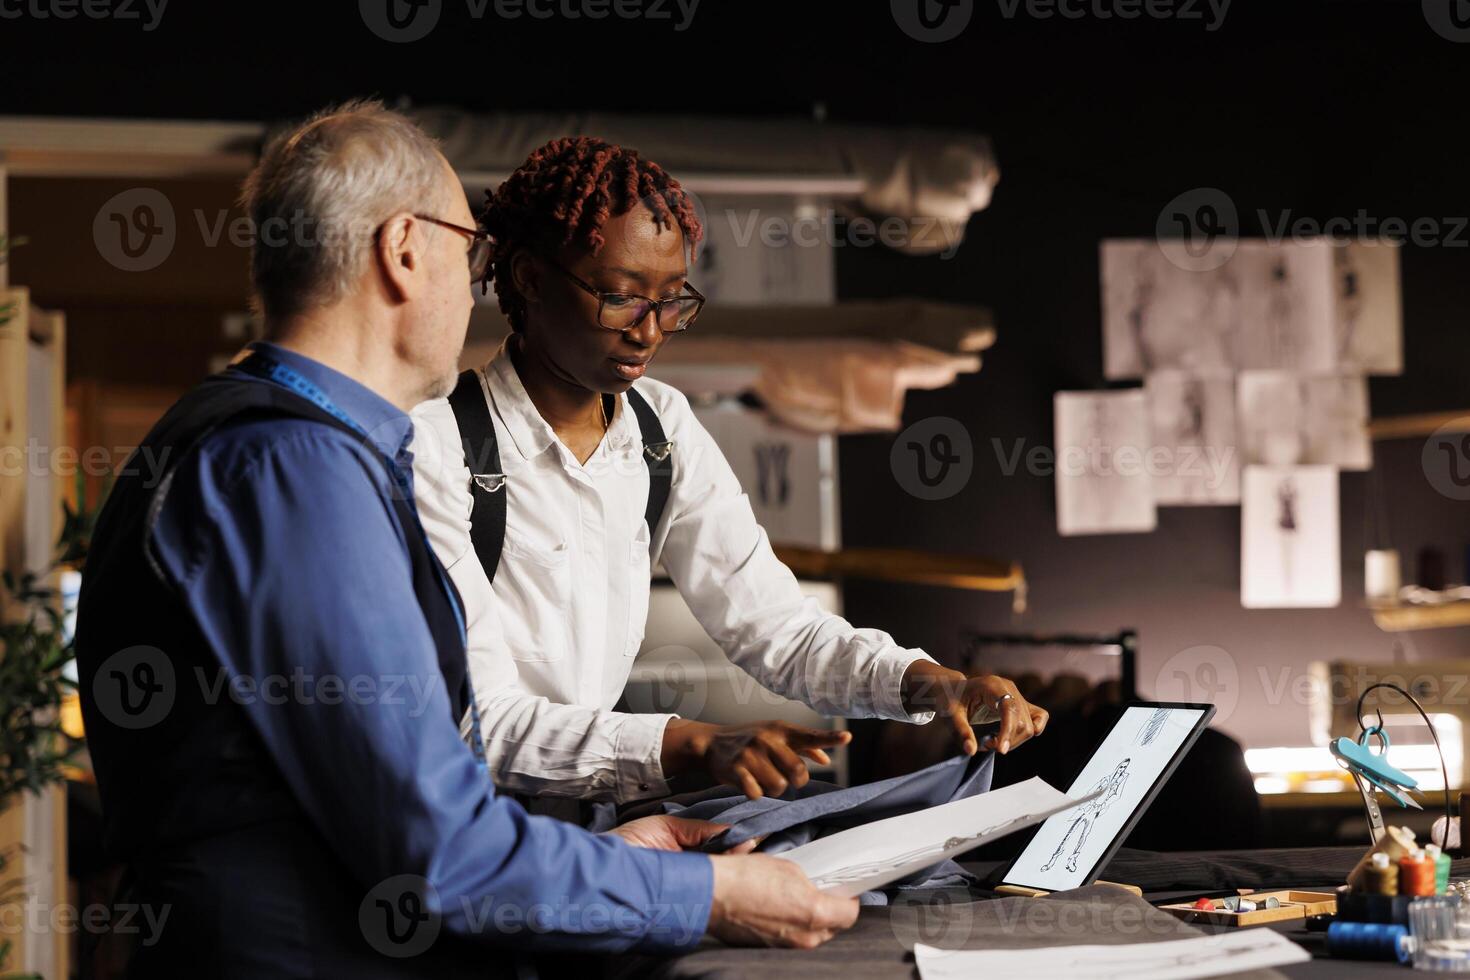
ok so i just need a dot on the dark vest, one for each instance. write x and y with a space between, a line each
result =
190 797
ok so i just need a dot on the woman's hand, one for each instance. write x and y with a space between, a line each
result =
983 698
759 759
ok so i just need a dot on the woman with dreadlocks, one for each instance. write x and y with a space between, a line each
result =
553 477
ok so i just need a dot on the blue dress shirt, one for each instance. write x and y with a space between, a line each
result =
281 538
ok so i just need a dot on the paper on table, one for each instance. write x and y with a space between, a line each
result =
1178 959
853 861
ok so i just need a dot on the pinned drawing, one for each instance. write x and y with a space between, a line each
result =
1192 428
1370 321
1271 306
1111 787
1288 419
1102 478
1290 554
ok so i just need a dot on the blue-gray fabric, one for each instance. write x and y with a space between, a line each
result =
817 809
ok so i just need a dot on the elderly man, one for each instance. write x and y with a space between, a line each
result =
273 661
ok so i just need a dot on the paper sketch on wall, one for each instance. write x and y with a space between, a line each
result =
1285 306
1111 787
1370 324
1290 552
747 256
1102 479
1287 419
1192 426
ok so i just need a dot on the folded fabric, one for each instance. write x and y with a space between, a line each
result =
800 816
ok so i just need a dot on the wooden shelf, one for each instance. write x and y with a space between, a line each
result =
904 565
1401 618
1417 426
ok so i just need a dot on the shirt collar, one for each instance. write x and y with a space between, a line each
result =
387 426
529 432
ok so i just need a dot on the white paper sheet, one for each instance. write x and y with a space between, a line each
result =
1370 322
1192 424
1177 959
1290 419
1290 538
1269 306
1104 479
851 862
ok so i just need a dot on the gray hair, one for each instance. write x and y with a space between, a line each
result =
319 194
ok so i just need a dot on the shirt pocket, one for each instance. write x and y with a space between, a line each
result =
534 586
639 575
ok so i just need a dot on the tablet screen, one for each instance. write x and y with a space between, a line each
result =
1135 757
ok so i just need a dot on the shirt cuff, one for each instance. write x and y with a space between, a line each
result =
680 913
638 749
887 691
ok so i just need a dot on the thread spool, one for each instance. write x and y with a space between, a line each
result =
1441 862
1382 576
1381 877
1368 941
1416 874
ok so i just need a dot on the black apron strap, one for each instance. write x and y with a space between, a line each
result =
658 454
487 481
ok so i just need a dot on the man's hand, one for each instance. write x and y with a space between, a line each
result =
766 901
986 697
665 833
757 759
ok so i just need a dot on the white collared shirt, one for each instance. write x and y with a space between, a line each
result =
552 643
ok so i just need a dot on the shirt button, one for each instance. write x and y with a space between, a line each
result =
643 786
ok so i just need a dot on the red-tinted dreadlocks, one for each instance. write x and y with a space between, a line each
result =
563 194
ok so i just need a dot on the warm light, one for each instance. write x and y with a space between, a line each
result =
71 716
1313 769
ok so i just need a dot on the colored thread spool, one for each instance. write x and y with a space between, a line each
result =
1381 876
1441 862
1368 941
1416 874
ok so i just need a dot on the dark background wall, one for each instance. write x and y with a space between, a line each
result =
1322 108
1323 111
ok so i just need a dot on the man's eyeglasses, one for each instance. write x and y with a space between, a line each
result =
480 243
624 311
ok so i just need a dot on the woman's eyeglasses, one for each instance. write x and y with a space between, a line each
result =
624 311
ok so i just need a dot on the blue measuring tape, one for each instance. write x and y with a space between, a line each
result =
269 369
